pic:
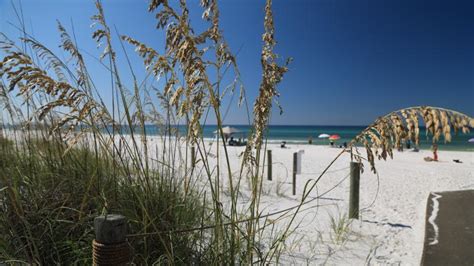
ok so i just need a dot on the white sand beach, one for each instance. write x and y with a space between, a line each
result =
393 205
390 230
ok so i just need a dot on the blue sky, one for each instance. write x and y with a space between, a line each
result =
353 60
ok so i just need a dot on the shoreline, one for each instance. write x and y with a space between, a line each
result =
292 135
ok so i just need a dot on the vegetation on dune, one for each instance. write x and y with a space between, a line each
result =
389 131
80 164
67 160
49 200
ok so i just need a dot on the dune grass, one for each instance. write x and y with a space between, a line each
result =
81 163
49 200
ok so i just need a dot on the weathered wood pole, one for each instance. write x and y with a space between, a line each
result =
269 165
193 156
354 191
110 246
295 158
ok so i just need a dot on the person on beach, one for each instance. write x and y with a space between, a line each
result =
310 140
435 152
434 148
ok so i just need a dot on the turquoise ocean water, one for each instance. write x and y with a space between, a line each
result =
301 134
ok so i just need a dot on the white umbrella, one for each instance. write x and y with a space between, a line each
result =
323 136
228 130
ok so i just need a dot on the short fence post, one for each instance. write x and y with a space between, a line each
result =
295 158
269 165
193 156
354 190
110 246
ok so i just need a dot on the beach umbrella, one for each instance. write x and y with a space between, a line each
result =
471 140
228 131
334 137
323 136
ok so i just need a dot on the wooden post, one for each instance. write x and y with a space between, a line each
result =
354 191
269 165
295 158
110 246
193 156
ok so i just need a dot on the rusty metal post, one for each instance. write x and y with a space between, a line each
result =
110 246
